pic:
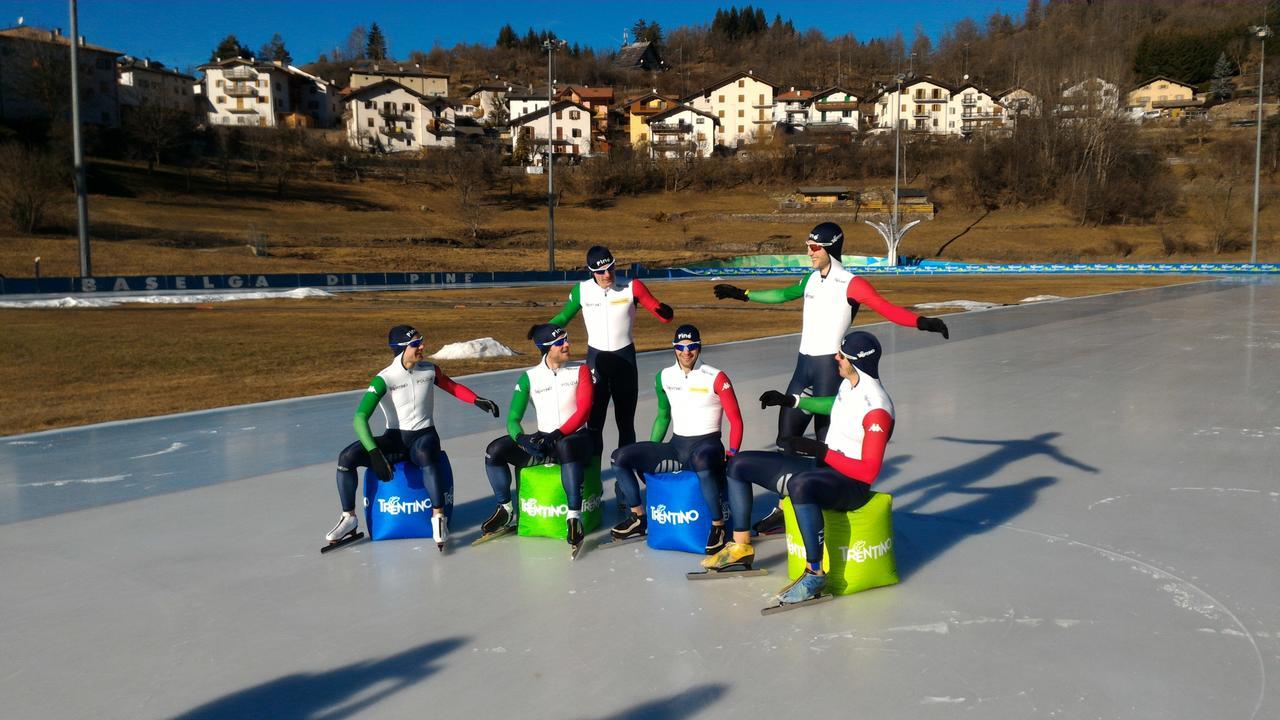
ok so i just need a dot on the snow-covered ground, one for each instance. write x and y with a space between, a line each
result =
175 299
962 304
472 349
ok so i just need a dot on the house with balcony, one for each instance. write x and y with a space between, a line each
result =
34 78
681 132
835 106
640 108
1019 102
572 131
242 91
388 117
414 77
973 109
147 83
598 100
921 105
487 103
1161 97
792 106
743 103
1090 98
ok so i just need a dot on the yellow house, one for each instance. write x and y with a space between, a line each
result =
639 109
1160 93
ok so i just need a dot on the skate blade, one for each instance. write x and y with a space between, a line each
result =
771 536
783 607
573 555
492 536
724 574
617 543
343 542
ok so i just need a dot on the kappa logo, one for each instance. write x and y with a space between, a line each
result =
875 427
725 386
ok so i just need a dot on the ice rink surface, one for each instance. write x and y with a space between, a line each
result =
1087 517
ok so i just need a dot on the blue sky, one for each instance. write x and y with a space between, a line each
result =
184 32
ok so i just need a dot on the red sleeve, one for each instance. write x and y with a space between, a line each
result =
586 383
729 402
646 299
447 384
877 426
861 291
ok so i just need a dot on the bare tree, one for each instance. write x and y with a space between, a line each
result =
156 130
471 172
30 182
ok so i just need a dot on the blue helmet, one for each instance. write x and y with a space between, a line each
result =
686 334
862 350
403 336
599 258
546 335
829 236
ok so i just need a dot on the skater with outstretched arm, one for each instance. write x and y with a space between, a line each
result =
608 306
832 296
561 393
692 399
838 477
405 393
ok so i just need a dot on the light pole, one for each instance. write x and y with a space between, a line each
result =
81 181
551 46
890 231
1262 32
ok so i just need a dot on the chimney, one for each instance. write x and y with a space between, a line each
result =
81 41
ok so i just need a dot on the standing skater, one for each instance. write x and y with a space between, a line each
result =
405 392
692 398
832 296
561 394
608 306
862 421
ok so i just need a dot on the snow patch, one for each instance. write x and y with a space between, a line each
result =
172 448
931 700
83 481
962 304
939 627
180 299
1041 298
472 349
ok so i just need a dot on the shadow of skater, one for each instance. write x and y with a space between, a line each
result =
681 705
329 694
922 537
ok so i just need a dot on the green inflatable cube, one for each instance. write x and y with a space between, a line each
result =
857 553
544 507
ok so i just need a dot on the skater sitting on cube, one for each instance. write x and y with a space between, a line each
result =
405 392
561 394
846 464
692 398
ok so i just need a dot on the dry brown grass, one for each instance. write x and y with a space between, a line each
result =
61 368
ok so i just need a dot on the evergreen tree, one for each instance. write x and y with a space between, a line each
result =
1222 88
229 48
507 37
531 40
1032 17
375 45
274 49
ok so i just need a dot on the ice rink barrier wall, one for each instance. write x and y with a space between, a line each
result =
438 280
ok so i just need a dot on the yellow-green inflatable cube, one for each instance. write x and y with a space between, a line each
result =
544 507
858 550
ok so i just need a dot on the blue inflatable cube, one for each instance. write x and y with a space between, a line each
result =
400 507
678 515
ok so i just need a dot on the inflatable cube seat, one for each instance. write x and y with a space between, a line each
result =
857 553
543 506
400 507
678 515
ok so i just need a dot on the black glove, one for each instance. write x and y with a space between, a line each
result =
529 444
665 312
807 447
546 441
378 464
728 292
930 324
773 397
487 405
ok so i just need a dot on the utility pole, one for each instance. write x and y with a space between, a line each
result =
1262 32
81 180
551 46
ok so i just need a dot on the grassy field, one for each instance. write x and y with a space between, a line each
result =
141 360
171 223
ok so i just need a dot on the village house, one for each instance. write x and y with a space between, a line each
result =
743 102
33 75
1018 102
1161 97
389 117
973 109
792 107
572 132
639 109
1089 98
681 132
414 77
487 103
598 100
240 91
921 105
835 105
146 83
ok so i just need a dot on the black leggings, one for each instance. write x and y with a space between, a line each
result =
822 489
617 378
820 373
770 470
571 453
703 454
421 447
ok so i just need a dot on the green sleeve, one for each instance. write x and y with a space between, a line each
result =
368 403
817 405
779 295
571 308
663 420
519 403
